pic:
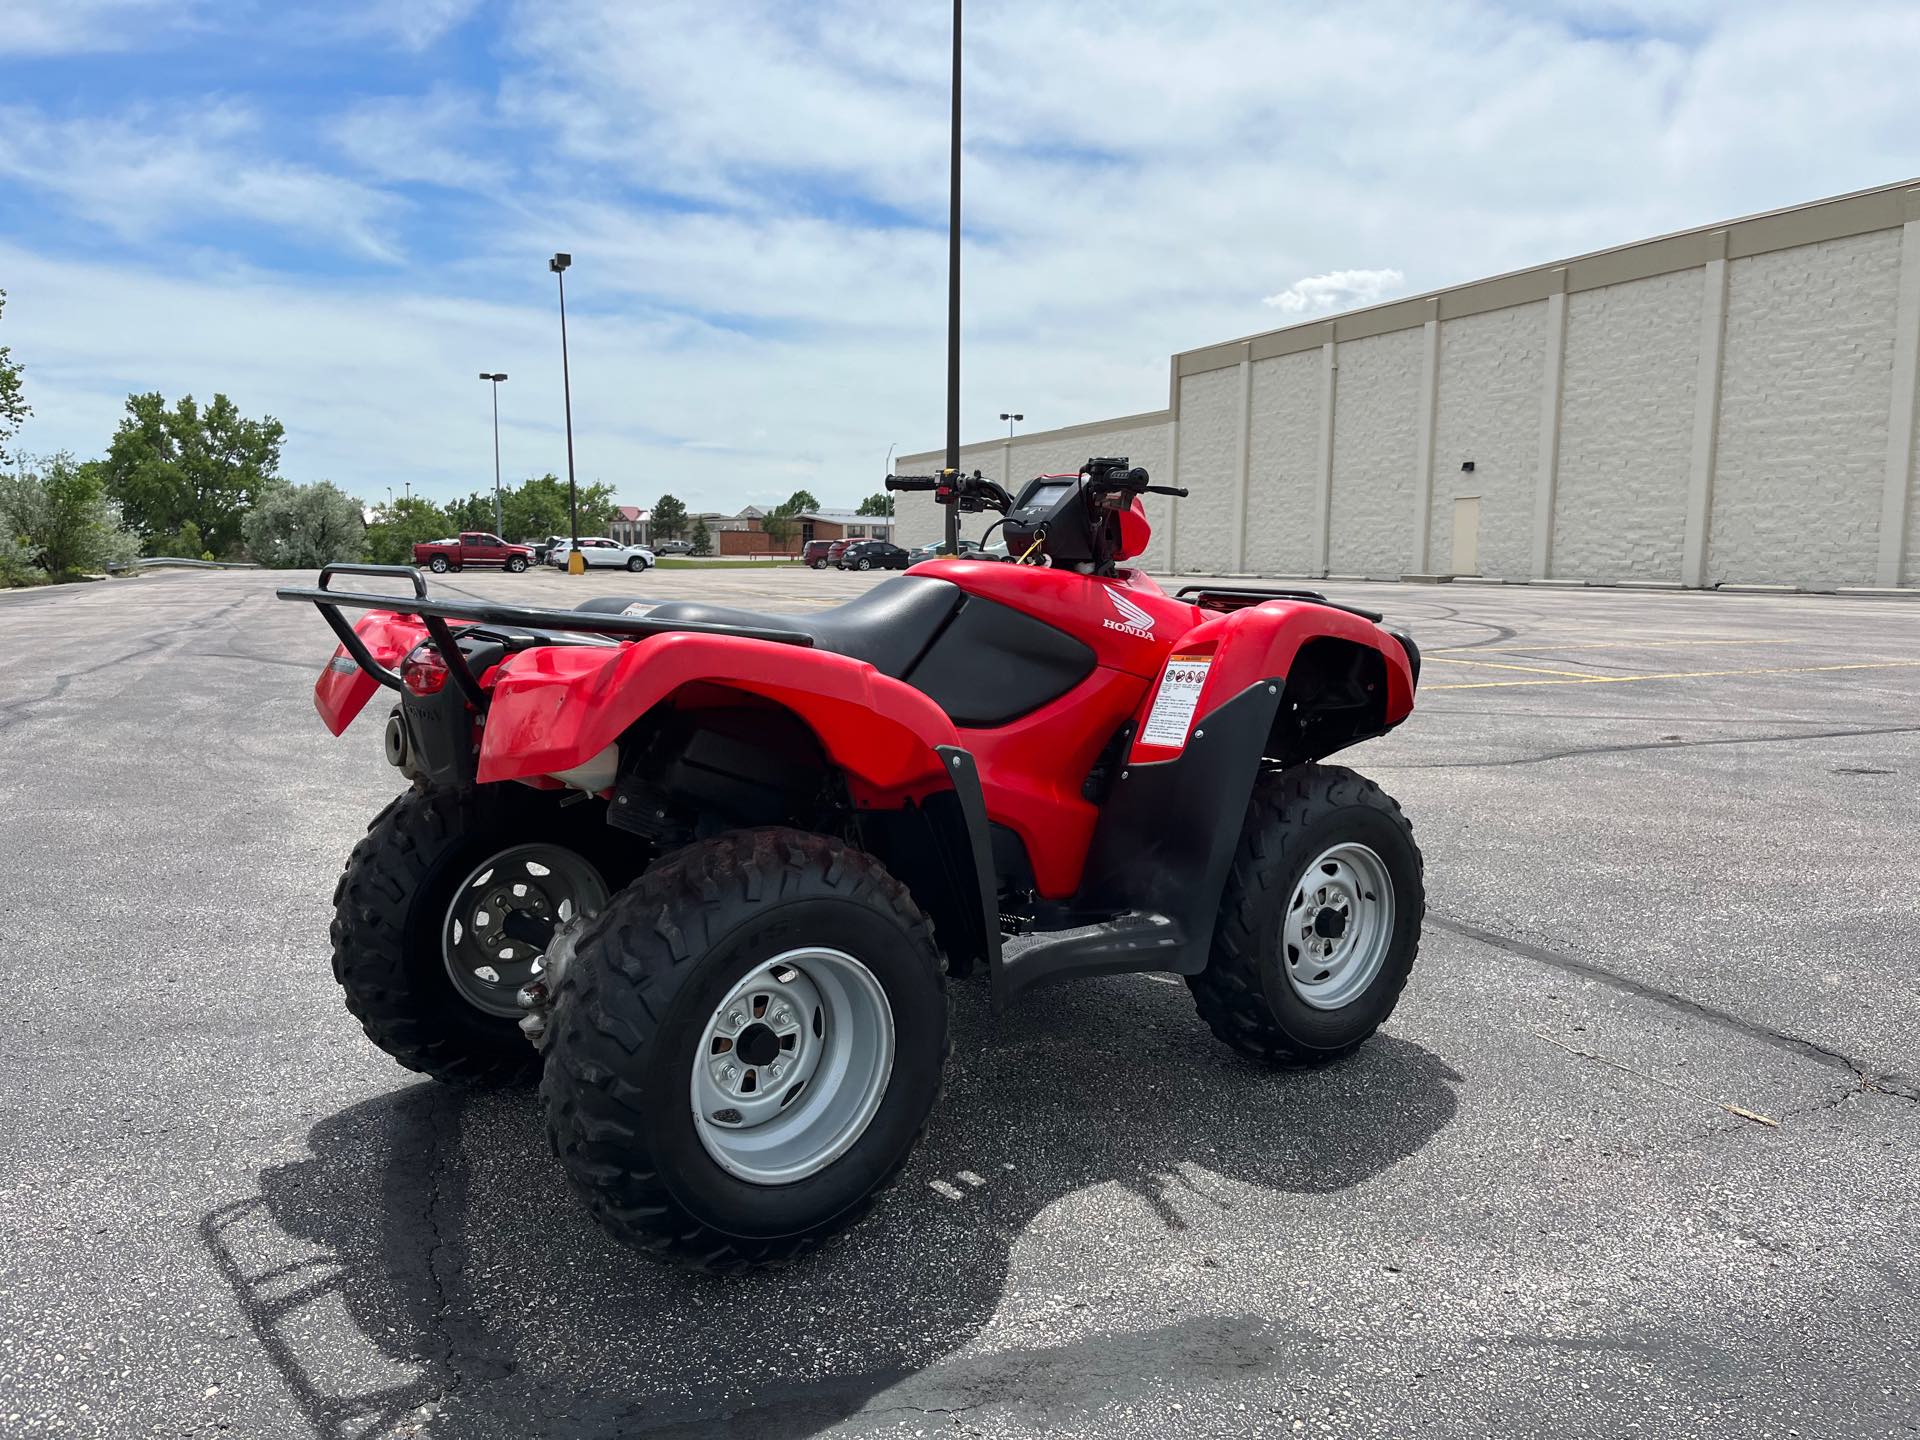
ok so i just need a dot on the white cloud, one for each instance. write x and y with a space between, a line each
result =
415 24
1138 176
149 171
69 27
440 138
1336 290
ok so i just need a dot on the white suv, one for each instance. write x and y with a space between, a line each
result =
598 551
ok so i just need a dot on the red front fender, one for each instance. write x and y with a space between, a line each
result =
558 706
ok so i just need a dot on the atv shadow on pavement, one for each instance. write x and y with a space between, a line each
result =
428 1272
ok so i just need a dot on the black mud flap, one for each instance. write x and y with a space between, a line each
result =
1160 854
960 830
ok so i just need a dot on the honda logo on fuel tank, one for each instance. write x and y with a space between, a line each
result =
1133 620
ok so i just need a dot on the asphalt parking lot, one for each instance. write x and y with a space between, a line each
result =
1671 862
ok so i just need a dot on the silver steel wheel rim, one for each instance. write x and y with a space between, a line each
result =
1339 926
501 919
792 1066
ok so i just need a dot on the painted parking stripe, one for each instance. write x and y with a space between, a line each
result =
1632 644
1676 675
1500 665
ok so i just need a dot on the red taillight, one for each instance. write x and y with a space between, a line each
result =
423 672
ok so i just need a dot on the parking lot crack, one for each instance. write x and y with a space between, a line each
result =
443 1263
1583 752
1864 1077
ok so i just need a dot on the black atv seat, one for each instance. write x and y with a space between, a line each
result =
889 627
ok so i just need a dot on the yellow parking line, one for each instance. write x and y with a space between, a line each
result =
1601 645
1678 675
1497 665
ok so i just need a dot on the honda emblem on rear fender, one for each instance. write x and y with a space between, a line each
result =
1133 620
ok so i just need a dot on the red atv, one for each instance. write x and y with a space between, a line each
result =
717 865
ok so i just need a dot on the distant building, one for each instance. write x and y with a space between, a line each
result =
631 525
744 533
1733 404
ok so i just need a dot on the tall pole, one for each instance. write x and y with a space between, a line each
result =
953 293
559 265
499 524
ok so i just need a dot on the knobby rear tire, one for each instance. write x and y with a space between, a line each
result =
390 907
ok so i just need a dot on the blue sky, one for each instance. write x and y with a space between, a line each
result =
340 214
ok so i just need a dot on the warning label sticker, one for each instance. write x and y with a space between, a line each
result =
1176 700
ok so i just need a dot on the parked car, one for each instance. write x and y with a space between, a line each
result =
598 552
969 550
835 549
673 547
874 555
814 554
472 550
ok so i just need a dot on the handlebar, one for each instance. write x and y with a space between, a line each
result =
1113 477
913 482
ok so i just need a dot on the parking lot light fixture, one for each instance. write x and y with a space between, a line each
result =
1010 419
499 525
558 265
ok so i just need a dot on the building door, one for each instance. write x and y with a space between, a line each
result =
1466 535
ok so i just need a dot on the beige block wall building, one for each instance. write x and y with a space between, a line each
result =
1729 405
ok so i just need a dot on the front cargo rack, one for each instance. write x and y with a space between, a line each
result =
435 614
1230 598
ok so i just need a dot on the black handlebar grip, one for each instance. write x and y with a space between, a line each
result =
912 482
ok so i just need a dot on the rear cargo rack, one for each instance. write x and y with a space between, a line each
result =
435 614
1230 598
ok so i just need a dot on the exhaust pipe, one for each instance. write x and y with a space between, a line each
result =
396 740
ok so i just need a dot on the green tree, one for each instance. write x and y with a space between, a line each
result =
702 538
14 409
168 466
779 522
59 516
537 508
669 518
185 543
475 512
598 509
306 526
876 505
397 527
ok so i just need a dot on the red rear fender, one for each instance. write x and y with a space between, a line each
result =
556 707
343 688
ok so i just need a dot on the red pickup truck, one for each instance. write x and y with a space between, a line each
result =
473 548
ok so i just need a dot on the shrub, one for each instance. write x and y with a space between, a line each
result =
305 526
16 562
59 516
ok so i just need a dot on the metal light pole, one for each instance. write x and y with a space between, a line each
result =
576 564
1010 419
499 525
953 293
